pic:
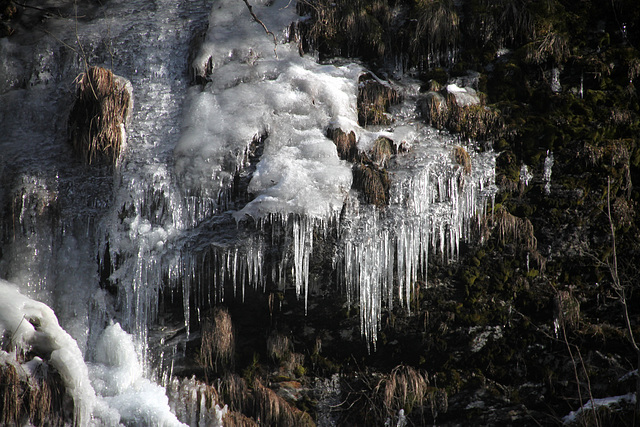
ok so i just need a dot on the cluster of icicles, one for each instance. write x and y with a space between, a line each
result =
183 235
379 256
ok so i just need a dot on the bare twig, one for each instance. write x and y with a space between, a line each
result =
619 288
255 18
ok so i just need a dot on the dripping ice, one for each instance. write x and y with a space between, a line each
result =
169 220
300 185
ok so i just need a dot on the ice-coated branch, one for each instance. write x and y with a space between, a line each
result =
255 18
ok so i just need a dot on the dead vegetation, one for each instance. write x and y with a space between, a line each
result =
501 22
462 158
437 33
510 228
382 151
345 143
550 47
98 116
258 404
566 309
278 346
406 389
472 122
33 400
346 28
373 182
218 345
272 409
374 100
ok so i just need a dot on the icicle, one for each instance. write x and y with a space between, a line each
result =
548 166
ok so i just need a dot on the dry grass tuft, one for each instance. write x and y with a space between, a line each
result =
405 388
346 27
10 390
510 228
551 47
461 157
257 405
278 346
98 116
472 122
237 419
218 346
374 100
32 400
272 409
409 389
566 309
345 143
234 392
373 182
382 151
502 22
437 33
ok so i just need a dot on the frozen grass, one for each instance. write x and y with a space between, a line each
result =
99 114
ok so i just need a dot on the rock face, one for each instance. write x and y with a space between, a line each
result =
524 325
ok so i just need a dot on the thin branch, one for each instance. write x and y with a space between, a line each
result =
255 18
618 287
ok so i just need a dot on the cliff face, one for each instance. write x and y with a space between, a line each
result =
529 323
525 320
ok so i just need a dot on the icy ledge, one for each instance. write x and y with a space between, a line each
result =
123 394
32 325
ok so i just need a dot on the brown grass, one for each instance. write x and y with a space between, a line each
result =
272 409
37 400
501 22
234 392
346 27
461 157
437 33
373 182
551 47
405 387
10 390
409 388
100 111
511 228
257 405
472 122
566 309
278 346
218 345
345 143
382 151
237 419
476 122
374 100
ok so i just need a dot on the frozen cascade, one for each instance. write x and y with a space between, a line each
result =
63 210
168 222
281 104
546 176
433 206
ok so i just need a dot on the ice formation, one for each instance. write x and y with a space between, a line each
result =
546 176
108 391
169 221
32 325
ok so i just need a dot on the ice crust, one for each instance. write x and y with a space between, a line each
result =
32 325
106 392
252 92
164 223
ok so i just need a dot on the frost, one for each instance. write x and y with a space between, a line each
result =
613 403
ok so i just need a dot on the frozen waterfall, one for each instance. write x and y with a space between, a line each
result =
225 184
